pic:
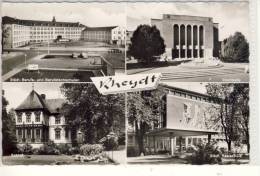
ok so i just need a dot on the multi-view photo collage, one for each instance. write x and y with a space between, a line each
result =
198 112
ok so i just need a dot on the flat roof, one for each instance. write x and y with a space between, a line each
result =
168 132
11 20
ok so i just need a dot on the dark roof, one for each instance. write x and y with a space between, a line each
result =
11 20
54 105
103 28
34 101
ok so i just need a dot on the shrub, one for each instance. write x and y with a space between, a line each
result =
132 151
91 149
190 149
203 154
64 148
121 139
110 142
49 149
74 150
26 149
163 151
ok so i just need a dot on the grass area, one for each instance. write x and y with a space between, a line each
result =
52 75
155 64
43 160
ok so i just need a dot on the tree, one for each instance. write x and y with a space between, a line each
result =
8 129
94 114
5 35
241 90
236 48
146 43
227 96
143 112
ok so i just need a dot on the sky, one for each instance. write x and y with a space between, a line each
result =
15 93
231 17
89 14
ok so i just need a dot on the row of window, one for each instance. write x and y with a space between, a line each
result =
38 133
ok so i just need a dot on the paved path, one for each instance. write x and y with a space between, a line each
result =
155 159
119 157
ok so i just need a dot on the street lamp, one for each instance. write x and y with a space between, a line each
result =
25 59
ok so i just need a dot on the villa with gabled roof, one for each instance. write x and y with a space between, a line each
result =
39 120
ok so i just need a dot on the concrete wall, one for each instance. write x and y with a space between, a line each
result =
196 118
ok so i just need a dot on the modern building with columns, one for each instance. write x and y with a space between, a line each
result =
188 36
39 120
184 121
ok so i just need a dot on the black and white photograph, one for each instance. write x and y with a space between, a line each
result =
189 42
62 42
189 123
61 123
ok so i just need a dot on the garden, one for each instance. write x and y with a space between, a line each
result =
61 154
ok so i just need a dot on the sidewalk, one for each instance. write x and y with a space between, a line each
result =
119 156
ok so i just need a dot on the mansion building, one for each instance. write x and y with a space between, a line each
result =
183 122
188 36
19 32
38 120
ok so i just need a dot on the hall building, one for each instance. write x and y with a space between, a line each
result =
39 119
183 122
188 36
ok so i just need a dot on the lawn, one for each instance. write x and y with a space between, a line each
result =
43 160
53 75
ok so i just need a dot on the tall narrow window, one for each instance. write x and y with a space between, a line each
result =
28 133
19 133
28 117
38 133
57 133
37 116
19 117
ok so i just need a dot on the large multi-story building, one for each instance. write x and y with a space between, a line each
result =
18 32
38 120
184 121
188 36
22 32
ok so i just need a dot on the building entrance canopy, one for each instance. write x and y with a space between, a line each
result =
170 132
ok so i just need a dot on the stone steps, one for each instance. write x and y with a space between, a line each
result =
200 73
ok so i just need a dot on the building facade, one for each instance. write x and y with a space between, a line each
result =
22 32
188 36
118 35
184 121
98 34
39 120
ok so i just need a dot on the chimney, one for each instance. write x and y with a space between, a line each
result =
43 96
